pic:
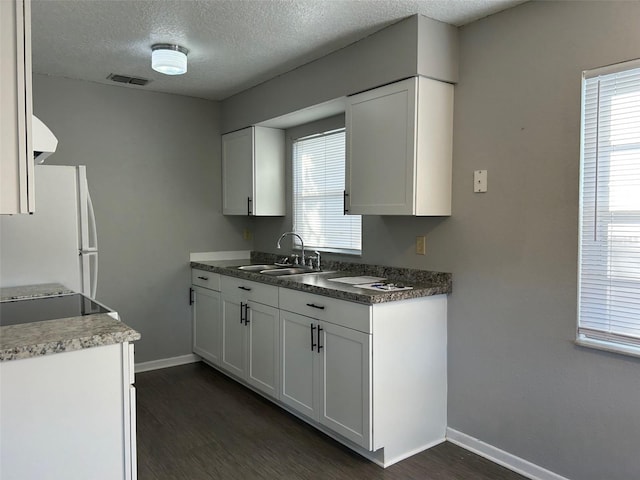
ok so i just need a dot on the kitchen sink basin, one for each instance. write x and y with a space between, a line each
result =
258 268
278 270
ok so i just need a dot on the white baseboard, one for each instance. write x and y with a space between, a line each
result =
166 362
506 459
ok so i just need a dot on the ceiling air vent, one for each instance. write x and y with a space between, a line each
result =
126 79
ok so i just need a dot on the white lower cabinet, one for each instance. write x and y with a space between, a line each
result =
207 315
326 374
345 383
299 363
69 415
372 376
206 324
262 348
233 336
250 336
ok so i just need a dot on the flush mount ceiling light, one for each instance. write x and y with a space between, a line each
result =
169 59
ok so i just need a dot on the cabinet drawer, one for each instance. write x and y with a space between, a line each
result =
205 279
340 312
247 290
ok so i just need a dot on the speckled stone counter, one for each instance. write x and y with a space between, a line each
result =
33 291
424 283
61 335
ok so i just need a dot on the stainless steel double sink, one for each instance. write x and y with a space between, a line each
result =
279 270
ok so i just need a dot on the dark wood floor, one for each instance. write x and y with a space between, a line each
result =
195 423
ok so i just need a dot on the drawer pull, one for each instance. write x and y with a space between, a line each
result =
313 344
246 314
313 305
204 278
319 333
245 288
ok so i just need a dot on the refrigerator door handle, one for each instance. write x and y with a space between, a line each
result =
88 238
94 276
93 249
90 271
88 235
88 230
92 224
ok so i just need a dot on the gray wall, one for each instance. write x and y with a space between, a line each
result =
388 55
516 379
153 167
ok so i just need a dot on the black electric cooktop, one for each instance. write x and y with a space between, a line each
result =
47 308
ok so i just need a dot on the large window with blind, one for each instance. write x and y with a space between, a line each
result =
609 258
318 202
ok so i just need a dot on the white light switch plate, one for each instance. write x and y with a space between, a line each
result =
480 181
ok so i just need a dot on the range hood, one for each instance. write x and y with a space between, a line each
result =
44 141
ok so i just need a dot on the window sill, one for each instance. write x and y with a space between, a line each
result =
608 346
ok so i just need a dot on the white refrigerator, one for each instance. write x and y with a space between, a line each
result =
57 243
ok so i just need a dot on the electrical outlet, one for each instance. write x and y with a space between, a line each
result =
421 245
246 234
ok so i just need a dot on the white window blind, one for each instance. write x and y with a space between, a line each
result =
609 271
318 187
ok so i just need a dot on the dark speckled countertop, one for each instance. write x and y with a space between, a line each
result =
35 339
425 283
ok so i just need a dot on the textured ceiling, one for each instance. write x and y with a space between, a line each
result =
233 44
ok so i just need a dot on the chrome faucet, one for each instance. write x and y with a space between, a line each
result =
299 238
317 259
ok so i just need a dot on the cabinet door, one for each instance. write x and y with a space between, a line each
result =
233 350
16 152
262 332
207 325
345 378
269 175
237 172
298 386
381 150
64 416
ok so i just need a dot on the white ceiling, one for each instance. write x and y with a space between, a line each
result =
233 44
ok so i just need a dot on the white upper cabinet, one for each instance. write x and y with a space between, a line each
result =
16 153
253 180
399 149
